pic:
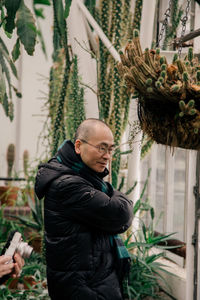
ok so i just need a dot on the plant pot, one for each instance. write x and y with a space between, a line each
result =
8 195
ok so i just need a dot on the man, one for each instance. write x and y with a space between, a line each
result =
13 269
82 214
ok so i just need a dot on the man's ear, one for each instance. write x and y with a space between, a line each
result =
77 146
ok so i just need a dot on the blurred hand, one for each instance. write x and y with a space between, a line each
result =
5 266
18 264
12 268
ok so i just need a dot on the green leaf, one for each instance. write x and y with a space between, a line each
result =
26 221
18 94
9 60
131 188
16 50
2 86
121 183
40 36
136 206
26 29
152 213
4 46
67 7
12 7
44 2
39 12
6 71
6 105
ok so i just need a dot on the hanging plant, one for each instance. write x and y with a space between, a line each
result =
168 94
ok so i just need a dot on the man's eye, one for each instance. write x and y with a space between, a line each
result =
103 149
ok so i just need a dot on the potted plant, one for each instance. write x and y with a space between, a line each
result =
168 94
9 193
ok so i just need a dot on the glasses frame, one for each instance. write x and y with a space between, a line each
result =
98 148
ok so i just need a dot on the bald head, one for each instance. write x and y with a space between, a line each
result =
88 128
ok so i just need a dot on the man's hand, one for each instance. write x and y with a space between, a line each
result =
12 268
5 266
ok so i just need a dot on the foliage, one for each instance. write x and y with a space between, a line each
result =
163 117
34 268
34 265
17 22
75 112
116 21
36 222
65 101
6 226
145 276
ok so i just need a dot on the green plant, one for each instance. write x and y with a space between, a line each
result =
6 226
17 22
10 157
75 111
36 221
145 274
25 163
31 284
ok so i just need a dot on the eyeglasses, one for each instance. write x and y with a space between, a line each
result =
103 149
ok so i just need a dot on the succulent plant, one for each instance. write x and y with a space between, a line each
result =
167 92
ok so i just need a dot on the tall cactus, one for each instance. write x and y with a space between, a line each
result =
10 157
60 27
137 14
117 23
75 112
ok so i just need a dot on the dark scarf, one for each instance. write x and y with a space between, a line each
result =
66 155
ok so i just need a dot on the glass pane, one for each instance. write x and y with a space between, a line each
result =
179 193
160 181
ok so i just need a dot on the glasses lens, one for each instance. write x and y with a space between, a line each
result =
104 150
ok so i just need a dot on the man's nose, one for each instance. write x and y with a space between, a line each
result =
107 155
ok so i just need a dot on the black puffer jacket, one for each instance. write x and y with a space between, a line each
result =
79 219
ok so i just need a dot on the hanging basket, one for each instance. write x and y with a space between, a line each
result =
168 94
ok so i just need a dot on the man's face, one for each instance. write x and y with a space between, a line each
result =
92 151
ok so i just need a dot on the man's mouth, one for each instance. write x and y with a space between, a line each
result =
103 164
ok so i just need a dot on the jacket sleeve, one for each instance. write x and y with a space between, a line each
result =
112 214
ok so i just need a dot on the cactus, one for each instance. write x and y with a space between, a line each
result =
187 109
190 55
198 77
60 43
137 14
175 57
164 87
10 159
25 162
75 111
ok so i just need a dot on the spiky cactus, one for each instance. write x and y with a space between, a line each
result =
137 14
75 111
60 41
117 22
10 157
164 89
25 162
